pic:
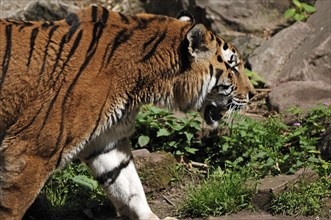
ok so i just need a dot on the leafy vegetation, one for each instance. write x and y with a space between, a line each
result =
303 199
300 12
267 147
242 149
255 79
71 190
159 129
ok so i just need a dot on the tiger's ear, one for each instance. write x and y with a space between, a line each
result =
184 15
199 45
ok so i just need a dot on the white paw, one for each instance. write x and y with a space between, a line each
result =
169 218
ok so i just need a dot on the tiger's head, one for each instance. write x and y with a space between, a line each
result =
226 86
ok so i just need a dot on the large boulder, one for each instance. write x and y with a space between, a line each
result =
227 15
37 10
296 62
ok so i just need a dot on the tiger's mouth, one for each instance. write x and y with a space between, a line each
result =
212 114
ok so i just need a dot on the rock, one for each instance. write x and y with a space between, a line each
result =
271 186
299 93
50 10
246 44
244 16
155 169
325 145
269 59
296 61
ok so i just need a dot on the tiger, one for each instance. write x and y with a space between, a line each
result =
72 89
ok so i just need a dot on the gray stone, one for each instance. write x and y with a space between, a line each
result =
50 10
303 94
244 16
296 62
271 186
270 58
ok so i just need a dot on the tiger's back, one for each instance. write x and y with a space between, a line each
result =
72 88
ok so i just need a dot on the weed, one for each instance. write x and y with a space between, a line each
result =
300 12
158 129
222 193
303 199
73 188
255 79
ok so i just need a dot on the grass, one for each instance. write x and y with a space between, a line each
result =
303 199
222 193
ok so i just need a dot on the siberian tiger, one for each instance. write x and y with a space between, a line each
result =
72 88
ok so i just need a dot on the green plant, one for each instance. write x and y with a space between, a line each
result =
300 12
255 78
158 129
303 199
270 146
74 187
222 193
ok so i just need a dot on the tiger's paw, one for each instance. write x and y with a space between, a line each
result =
169 218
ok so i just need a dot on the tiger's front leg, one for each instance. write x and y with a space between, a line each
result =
114 169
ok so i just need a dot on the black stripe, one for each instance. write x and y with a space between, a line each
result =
93 46
100 114
211 70
51 32
2 136
32 42
114 173
219 41
100 152
219 72
105 15
219 59
30 123
124 18
152 51
94 13
46 25
58 56
148 42
71 53
105 55
6 58
73 21
97 31
120 38
225 46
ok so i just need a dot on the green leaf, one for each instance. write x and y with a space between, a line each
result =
289 13
191 150
189 136
85 181
313 160
143 140
270 162
299 17
308 8
261 154
297 3
162 132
